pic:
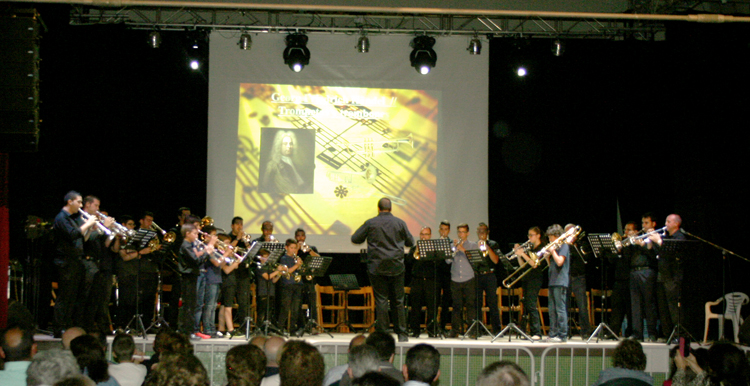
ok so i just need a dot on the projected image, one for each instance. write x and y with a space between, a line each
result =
320 157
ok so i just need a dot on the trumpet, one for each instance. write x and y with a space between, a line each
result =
85 216
512 254
456 244
483 247
621 242
221 247
118 228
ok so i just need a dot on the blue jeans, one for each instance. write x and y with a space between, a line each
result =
558 314
205 304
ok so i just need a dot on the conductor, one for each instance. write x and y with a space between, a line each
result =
386 236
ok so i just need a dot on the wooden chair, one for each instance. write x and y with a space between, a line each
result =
330 305
596 305
517 295
367 307
543 293
574 310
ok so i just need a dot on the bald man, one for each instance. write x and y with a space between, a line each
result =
669 276
271 348
70 334
17 348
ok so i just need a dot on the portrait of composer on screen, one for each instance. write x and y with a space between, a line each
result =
287 160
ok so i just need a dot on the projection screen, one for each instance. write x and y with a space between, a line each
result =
317 149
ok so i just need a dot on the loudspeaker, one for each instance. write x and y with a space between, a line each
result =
19 80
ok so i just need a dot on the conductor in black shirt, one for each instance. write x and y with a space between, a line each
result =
386 237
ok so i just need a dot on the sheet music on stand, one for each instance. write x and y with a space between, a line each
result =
674 250
252 251
272 247
345 282
317 265
602 244
434 249
140 239
273 258
477 261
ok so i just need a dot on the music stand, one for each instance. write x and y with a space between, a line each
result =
346 283
139 241
435 250
317 267
252 251
512 326
677 250
269 267
602 244
478 263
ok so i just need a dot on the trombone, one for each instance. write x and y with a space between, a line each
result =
524 269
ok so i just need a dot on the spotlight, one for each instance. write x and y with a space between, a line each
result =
296 54
423 58
196 49
363 44
195 64
558 47
521 71
154 39
245 42
475 46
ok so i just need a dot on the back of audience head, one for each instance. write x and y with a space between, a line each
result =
50 366
76 380
728 365
375 378
503 373
176 343
358 339
259 341
629 355
245 365
363 359
384 343
17 344
422 364
70 334
123 347
177 369
301 364
272 348
90 356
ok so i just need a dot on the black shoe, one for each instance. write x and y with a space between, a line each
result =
451 334
415 334
640 339
299 333
403 338
431 334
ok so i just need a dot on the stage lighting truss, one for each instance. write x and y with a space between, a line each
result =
296 54
423 58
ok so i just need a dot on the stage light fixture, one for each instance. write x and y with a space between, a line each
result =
363 44
475 46
246 42
196 49
154 39
423 58
296 54
521 71
557 47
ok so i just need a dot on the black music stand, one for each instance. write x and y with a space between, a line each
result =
678 250
317 267
246 324
269 267
512 326
478 263
602 244
435 250
138 242
346 283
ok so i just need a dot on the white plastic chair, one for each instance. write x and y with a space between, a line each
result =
735 301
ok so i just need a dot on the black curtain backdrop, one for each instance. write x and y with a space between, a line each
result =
656 126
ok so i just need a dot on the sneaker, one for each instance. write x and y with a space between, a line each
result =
195 337
403 338
220 334
237 333
555 340
202 335
536 337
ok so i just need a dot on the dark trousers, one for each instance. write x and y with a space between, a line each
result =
464 295
667 297
244 300
311 298
446 299
147 295
70 296
643 302
389 288
531 287
186 318
488 283
291 301
262 303
97 310
621 306
423 293
578 287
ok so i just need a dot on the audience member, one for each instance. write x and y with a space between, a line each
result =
50 366
422 366
126 371
503 373
375 378
259 341
76 380
629 363
728 365
245 365
90 356
271 348
301 364
17 348
335 374
386 346
178 369
70 334
362 360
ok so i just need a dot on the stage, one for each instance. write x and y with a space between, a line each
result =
572 363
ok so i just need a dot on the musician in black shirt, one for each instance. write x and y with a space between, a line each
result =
423 286
486 278
670 275
642 284
308 286
578 287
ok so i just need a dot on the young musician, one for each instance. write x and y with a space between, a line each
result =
209 281
308 286
265 279
228 290
486 280
244 273
291 291
463 282
423 286
191 256
444 280
559 278
532 282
